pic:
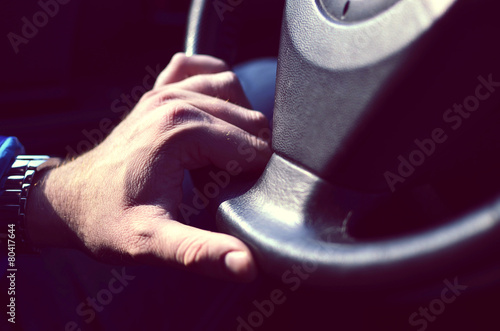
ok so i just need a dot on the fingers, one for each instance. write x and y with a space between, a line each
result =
213 254
197 139
182 67
203 74
224 85
249 120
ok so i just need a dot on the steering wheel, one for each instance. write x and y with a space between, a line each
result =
385 138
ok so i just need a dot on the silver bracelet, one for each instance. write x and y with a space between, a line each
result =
13 198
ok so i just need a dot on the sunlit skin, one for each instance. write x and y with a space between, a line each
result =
119 201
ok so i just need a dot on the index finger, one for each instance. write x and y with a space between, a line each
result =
182 66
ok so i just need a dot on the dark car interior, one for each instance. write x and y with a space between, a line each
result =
380 207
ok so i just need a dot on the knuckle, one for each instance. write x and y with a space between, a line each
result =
180 112
223 65
140 245
171 93
256 144
180 59
149 95
190 252
177 113
259 118
230 78
229 83
160 97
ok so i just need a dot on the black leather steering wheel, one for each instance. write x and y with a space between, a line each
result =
364 92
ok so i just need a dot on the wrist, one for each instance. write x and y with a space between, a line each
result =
47 222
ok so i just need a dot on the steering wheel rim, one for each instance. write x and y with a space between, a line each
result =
337 261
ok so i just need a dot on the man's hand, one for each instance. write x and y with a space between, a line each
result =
120 200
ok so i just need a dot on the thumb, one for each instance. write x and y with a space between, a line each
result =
213 254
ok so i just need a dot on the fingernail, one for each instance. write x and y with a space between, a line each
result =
241 265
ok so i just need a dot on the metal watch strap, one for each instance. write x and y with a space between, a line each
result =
13 198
